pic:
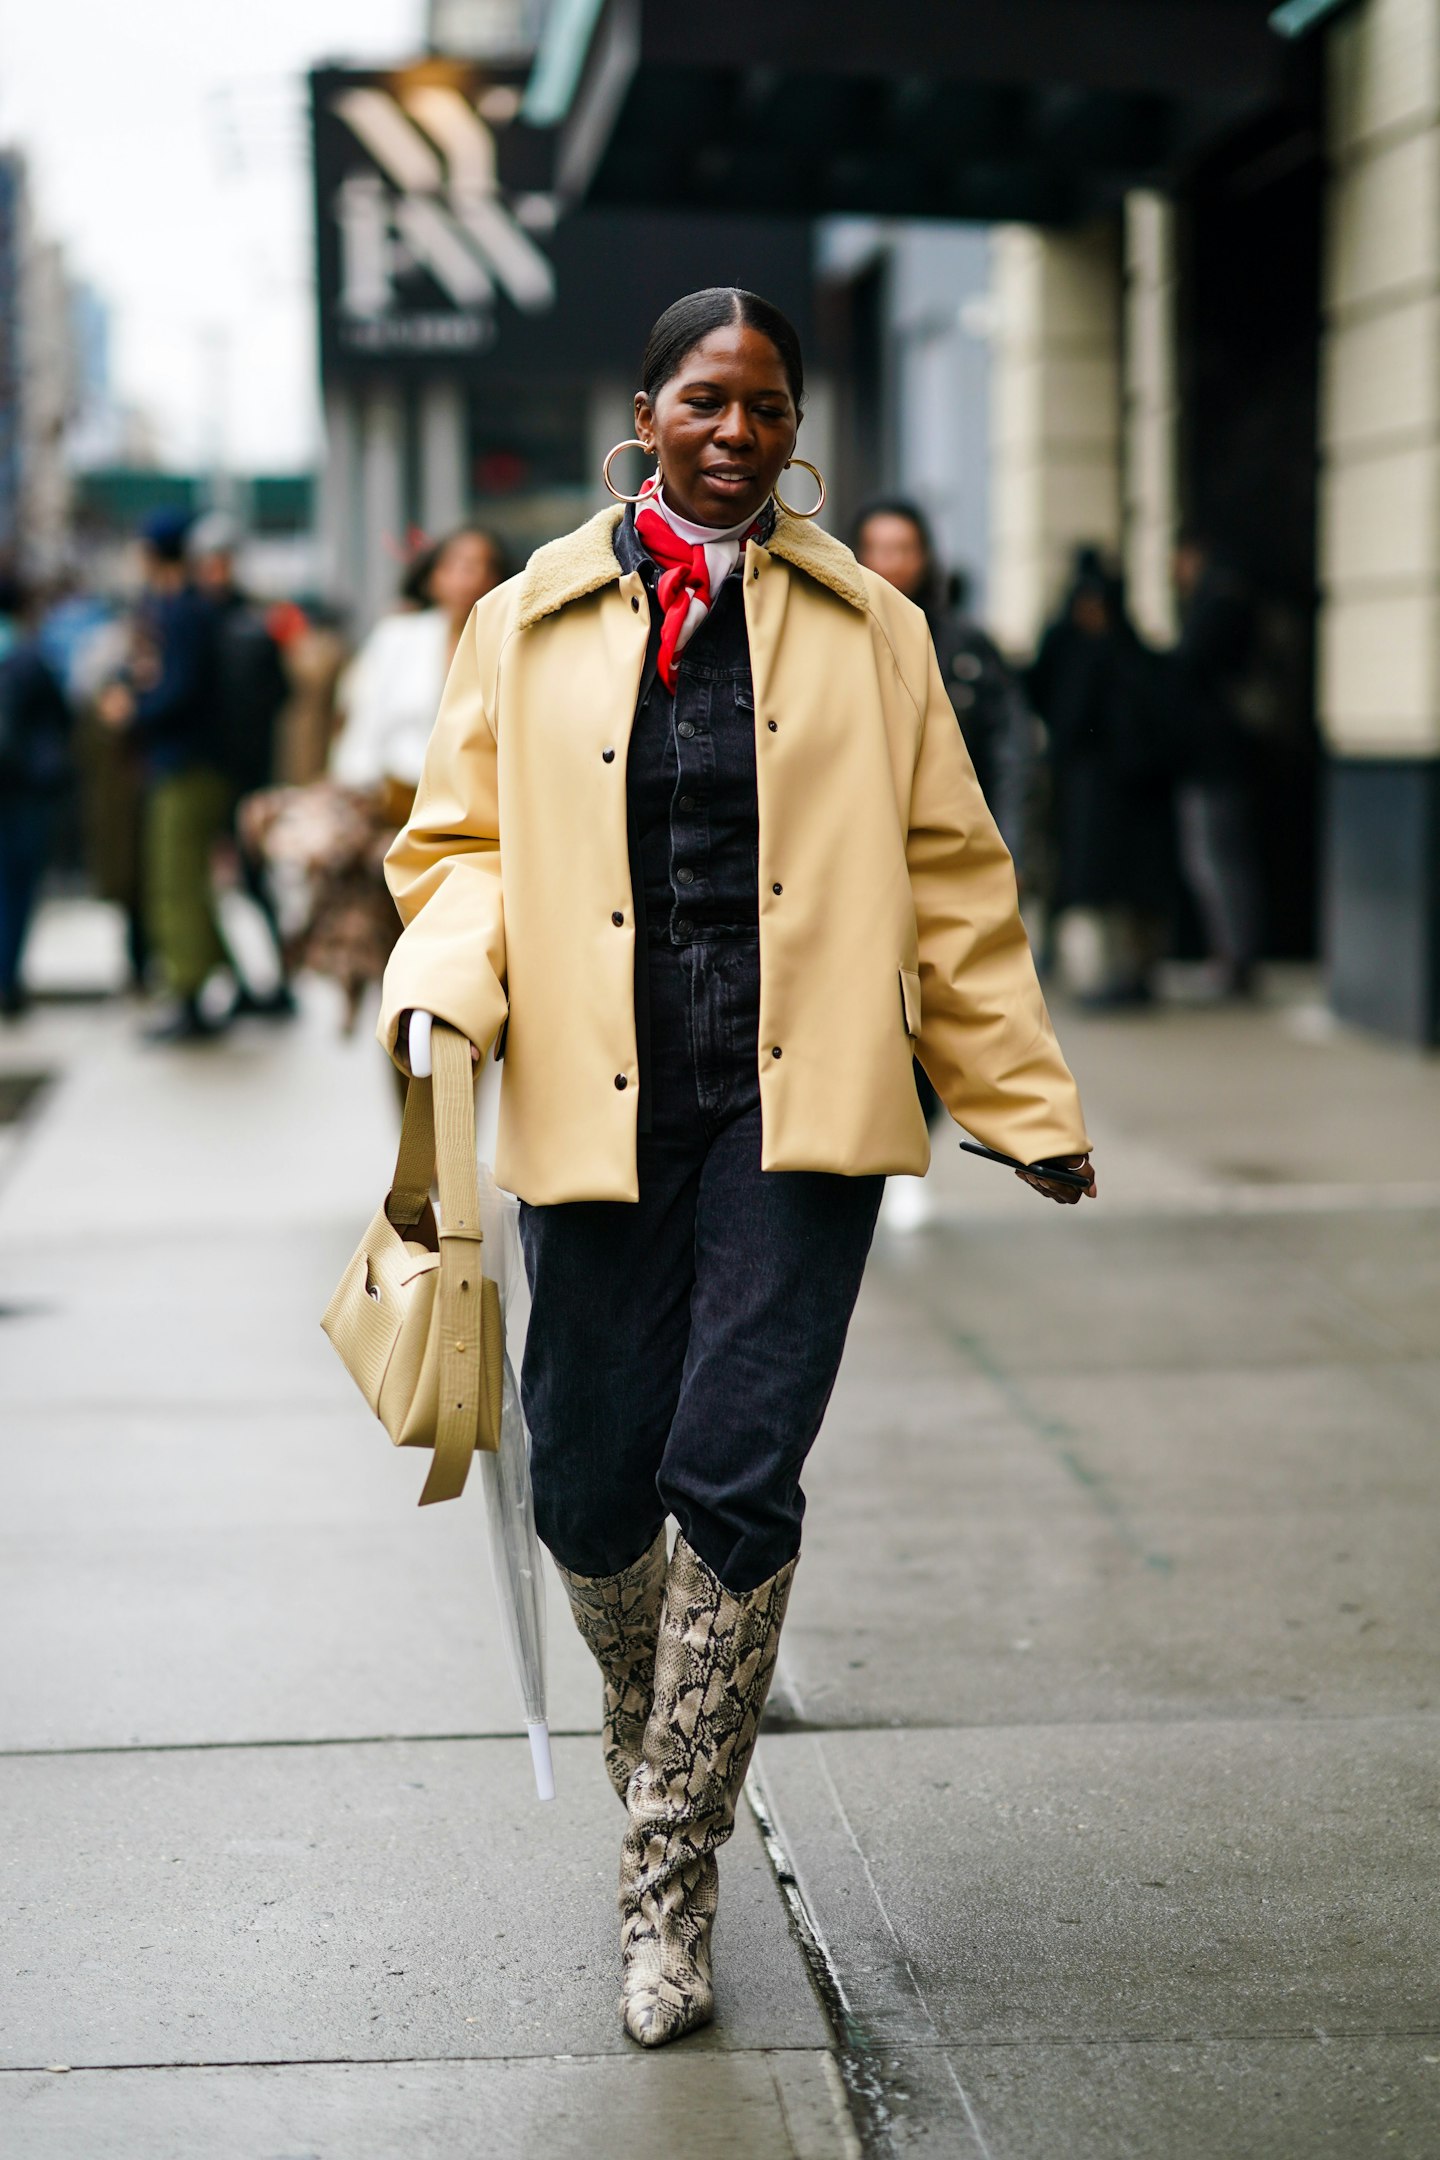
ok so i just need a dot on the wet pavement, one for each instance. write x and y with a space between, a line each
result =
1098 1813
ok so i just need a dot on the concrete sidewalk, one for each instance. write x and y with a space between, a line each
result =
1101 1784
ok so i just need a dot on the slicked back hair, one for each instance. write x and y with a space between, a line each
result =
686 323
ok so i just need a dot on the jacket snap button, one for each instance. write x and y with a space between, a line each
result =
686 728
776 1051
618 919
774 726
684 877
777 889
608 756
621 1082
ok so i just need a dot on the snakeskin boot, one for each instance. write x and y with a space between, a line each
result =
619 1617
713 1668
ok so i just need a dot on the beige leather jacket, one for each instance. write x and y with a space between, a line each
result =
888 918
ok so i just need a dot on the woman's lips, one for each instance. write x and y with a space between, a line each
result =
728 476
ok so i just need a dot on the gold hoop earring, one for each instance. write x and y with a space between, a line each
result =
631 442
788 508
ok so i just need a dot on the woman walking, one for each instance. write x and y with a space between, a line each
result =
698 842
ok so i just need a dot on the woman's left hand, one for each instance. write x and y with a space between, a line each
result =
1066 1195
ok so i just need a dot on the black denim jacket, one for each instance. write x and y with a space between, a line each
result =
690 785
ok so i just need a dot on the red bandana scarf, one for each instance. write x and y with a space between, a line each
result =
684 576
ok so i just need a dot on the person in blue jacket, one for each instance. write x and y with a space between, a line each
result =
34 771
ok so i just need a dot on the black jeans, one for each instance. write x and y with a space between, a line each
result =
682 1350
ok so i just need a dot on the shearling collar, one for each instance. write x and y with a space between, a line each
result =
583 561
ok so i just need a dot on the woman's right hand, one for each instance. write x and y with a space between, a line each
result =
1067 1195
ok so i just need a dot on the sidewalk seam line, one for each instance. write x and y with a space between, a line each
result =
799 1730
1306 2036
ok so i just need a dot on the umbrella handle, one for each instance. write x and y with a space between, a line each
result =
540 1758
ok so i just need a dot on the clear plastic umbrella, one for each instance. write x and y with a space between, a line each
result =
505 1476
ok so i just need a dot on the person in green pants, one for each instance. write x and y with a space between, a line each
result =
169 702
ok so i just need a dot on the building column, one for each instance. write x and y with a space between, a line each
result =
1379 635
444 457
338 509
1151 414
382 500
609 419
1055 417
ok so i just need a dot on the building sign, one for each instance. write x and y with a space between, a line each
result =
420 252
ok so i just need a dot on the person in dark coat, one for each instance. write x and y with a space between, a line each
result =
34 771
893 539
253 688
167 701
1094 685
1215 796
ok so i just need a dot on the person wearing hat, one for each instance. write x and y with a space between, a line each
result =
167 700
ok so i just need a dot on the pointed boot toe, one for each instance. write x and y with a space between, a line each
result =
654 2016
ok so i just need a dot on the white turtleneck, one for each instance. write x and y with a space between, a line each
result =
722 552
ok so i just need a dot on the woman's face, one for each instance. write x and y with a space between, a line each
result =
722 427
464 572
891 546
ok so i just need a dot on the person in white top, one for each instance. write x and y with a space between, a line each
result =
392 692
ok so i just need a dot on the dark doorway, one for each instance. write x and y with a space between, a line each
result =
1249 344
851 313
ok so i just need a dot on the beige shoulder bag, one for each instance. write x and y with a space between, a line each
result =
414 1319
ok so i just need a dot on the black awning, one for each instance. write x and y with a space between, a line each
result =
1039 110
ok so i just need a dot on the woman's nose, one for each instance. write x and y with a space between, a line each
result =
734 426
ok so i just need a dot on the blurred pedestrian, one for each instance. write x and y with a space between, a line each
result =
252 688
34 771
111 770
167 700
311 638
1217 782
697 831
1094 685
393 688
893 538
335 833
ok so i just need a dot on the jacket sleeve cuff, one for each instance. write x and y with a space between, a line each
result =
478 1011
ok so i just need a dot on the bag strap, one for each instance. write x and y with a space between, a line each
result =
409 1194
437 1139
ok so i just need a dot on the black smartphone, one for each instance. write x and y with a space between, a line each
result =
1057 1173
